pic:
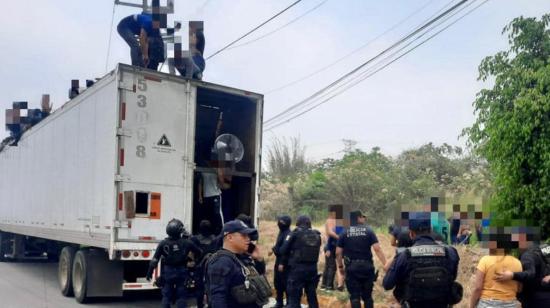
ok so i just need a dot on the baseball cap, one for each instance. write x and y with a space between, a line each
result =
239 226
353 215
420 221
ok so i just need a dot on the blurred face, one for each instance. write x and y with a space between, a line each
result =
361 219
193 39
238 242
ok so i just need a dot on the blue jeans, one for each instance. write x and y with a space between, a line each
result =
174 286
125 31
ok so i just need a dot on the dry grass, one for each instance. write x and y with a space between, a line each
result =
469 257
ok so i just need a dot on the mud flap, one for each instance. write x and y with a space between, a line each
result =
104 276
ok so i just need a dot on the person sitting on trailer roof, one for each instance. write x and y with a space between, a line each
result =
148 49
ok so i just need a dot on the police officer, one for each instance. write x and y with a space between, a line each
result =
174 251
205 240
423 275
281 269
230 281
355 246
301 249
535 276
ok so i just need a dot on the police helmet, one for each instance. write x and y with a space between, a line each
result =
303 221
175 228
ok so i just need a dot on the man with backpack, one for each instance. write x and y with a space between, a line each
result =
206 242
301 248
173 251
424 274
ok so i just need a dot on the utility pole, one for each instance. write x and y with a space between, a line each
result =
168 9
349 145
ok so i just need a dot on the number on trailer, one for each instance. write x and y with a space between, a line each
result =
142 101
140 151
142 85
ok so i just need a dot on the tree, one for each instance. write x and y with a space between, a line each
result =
512 126
365 181
286 158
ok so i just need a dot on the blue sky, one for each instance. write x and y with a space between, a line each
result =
426 96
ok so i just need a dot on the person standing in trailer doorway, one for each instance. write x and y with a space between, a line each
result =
211 183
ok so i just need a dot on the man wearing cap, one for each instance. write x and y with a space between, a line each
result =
423 275
228 278
354 246
300 251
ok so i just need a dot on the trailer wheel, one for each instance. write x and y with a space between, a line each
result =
80 273
3 246
65 270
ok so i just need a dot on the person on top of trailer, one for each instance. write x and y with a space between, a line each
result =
147 50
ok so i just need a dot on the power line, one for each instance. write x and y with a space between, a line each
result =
324 68
400 41
368 73
110 37
281 27
256 28
377 70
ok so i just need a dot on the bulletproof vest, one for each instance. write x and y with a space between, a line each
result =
174 252
255 288
306 246
429 278
207 243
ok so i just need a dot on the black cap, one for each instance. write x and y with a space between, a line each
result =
420 221
353 215
239 226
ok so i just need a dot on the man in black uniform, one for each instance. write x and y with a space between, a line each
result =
174 251
424 274
535 277
354 246
205 240
280 272
231 280
301 249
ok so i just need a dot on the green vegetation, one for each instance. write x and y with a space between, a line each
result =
512 128
372 181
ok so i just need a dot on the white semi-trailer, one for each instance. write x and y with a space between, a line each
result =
95 183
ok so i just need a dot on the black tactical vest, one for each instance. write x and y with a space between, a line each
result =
255 288
306 246
429 277
175 252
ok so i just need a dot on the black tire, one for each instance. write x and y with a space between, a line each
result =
65 270
80 273
6 246
2 246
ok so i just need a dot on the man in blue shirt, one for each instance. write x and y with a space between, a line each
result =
148 49
423 275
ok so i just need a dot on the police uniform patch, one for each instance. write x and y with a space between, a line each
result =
546 251
427 251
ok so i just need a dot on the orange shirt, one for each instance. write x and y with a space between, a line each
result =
492 289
